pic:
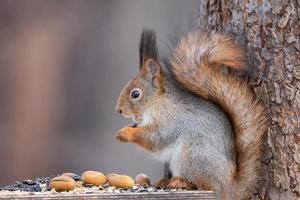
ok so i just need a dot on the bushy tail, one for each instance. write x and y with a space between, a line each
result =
196 64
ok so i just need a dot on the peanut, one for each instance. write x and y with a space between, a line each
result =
62 183
93 177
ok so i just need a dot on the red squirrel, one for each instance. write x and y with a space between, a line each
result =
206 123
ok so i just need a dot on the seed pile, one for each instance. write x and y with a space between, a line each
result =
90 182
37 185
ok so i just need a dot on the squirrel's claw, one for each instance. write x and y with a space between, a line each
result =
124 135
121 137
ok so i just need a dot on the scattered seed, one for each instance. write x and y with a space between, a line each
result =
29 182
106 185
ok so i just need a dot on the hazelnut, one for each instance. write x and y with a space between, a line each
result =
142 179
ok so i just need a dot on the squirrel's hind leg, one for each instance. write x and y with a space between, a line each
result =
181 183
162 183
175 183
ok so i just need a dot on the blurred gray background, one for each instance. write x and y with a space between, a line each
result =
62 66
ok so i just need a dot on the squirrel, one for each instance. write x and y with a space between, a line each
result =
191 113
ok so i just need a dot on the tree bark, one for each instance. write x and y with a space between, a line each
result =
270 31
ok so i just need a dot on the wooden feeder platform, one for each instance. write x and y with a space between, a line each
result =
186 195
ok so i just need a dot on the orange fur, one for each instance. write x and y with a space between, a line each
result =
135 135
181 183
162 183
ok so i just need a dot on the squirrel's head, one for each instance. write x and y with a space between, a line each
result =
141 91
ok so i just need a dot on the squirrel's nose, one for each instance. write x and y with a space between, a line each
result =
119 110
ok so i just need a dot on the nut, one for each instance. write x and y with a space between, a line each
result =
62 183
93 177
142 179
68 174
71 175
121 181
108 176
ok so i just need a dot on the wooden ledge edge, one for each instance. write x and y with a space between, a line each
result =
202 195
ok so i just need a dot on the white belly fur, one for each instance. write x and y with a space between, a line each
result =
172 155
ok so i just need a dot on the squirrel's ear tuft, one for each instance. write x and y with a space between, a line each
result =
148 46
151 71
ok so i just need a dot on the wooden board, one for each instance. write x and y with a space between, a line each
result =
202 195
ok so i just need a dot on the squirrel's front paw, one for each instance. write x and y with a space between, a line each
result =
125 134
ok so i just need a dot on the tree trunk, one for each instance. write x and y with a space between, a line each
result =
270 32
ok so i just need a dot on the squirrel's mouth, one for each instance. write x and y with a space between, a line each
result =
137 120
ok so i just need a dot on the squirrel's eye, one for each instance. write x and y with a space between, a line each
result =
135 94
